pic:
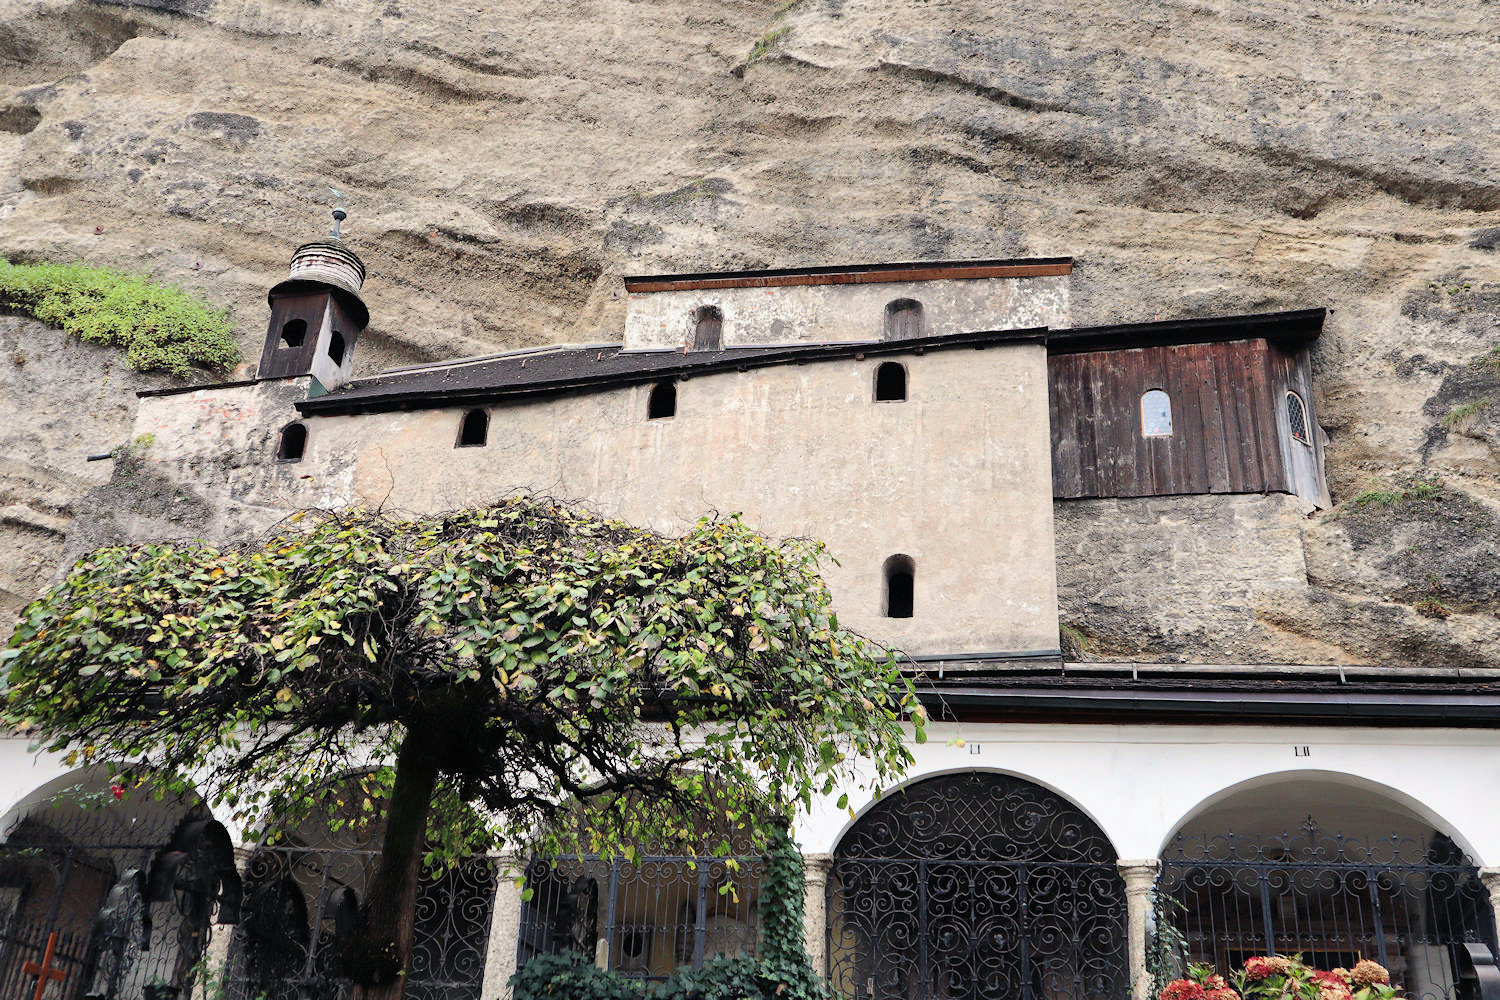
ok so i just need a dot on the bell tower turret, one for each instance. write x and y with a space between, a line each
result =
316 314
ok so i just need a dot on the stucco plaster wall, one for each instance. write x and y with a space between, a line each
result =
1140 783
957 477
826 313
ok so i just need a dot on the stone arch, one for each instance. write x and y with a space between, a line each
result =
937 772
1399 801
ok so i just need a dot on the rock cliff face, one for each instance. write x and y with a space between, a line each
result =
505 163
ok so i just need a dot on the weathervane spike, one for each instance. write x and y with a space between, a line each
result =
339 215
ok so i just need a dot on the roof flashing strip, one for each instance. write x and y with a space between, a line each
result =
857 274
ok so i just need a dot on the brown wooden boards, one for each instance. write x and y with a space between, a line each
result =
1226 409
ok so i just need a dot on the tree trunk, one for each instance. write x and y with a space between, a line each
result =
381 950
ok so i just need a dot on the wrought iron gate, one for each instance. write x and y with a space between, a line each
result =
976 887
644 920
124 900
1400 900
301 908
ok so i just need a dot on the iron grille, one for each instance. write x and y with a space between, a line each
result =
974 887
301 909
647 919
77 873
1401 901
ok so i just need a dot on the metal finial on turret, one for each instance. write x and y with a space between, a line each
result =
339 215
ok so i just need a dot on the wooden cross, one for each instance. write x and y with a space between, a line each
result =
45 971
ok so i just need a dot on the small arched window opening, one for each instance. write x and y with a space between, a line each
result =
890 382
473 429
708 329
1296 415
293 332
1156 414
903 319
663 402
900 586
293 443
336 348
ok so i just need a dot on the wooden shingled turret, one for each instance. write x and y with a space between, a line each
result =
316 314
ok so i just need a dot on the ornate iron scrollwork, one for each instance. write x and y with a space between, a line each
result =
975 887
1400 900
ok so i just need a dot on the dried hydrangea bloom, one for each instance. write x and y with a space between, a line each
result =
1368 973
1266 965
1332 986
1183 989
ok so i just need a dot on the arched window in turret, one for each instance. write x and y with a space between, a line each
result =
900 586
336 348
1296 415
293 443
708 329
903 319
293 332
473 429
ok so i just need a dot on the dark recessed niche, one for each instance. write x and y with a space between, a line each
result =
473 429
663 402
293 443
900 586
293 333
890 382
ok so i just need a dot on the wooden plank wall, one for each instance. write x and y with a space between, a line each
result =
1224 421
1303 462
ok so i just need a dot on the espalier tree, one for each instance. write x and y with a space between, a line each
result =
534 676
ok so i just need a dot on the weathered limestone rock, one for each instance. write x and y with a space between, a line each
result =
505 163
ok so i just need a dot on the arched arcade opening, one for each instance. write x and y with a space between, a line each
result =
109 890
1332 869
974 886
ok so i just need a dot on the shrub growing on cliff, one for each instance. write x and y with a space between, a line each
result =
565 673
160 328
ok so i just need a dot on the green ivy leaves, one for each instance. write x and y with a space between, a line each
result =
160 328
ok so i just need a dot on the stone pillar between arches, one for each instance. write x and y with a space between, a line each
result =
815 869
1140 882
505 929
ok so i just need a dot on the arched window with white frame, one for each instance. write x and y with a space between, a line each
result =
1156 414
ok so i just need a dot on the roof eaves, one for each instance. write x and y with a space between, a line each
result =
693 365
852 274
1292 328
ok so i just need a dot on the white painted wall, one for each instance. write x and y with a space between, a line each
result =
1141 783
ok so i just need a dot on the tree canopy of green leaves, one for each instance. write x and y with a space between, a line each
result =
572 681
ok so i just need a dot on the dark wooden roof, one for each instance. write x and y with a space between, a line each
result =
1288 329
1004 687
554 370
549 371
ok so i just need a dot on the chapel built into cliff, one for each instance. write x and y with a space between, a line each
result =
938 425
